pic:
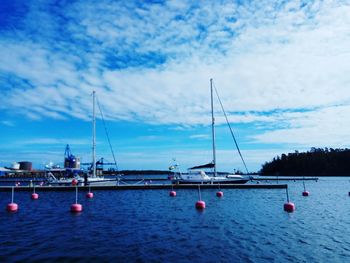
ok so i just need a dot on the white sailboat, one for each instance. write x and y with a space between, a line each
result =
197 176
92 179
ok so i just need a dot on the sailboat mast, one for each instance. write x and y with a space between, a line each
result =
93 136
213 125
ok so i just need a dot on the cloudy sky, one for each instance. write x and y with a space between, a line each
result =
281 68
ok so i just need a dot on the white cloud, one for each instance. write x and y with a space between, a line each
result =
8 123
263 57
200 136
325 127
52 141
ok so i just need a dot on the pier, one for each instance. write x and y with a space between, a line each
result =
145 187
285 178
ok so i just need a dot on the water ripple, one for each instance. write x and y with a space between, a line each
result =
148 226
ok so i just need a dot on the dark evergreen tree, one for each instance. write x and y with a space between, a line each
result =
316 162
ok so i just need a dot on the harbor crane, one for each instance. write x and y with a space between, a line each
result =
70 161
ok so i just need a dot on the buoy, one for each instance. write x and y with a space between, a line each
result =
12 207
172 193
90 194
74 182
306 193
200 204
219 194
289 206
35 196
76 208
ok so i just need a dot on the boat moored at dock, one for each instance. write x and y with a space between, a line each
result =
200 177
196 175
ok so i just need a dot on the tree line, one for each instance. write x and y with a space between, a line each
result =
316 162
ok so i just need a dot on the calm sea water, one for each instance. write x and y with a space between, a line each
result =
149 226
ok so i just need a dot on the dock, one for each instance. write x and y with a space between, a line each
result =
284 178
143 187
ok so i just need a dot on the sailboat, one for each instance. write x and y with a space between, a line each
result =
196 174
86 179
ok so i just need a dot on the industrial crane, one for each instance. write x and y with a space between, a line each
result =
69 159
99 164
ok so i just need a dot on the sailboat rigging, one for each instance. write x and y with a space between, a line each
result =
200 177
91 179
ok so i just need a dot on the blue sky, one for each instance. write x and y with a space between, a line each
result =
281 68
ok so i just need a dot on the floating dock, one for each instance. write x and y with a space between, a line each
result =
144 187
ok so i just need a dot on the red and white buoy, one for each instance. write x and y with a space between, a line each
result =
90 194
305 193
289 206
12 207
172 193
34 195
219 194
76 208
200 205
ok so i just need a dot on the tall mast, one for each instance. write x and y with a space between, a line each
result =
93 136
213 125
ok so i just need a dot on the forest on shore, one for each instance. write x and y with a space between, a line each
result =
316 162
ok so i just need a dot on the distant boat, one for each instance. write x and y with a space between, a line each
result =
80 180
86 179
64 181
196 175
